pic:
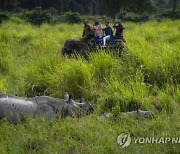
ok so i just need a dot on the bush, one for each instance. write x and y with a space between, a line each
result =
134 17
121 97
104 65
101 19
36 76
121 14
3 86
169 14
74 76
72 17
4 16
6 62
38 16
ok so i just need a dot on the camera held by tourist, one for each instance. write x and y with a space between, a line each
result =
119 30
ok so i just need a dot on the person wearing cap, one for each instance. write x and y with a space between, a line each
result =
119 30
88 32
98 31
108 34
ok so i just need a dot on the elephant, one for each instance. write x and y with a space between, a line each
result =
72 47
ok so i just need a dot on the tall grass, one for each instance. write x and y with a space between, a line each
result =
148 75
158 48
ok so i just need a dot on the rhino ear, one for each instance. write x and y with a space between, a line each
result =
66 96
70 96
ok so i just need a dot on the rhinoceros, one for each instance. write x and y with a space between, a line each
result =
139 114
15 108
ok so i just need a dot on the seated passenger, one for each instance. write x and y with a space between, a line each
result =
98 32
119 30
88 32
108 34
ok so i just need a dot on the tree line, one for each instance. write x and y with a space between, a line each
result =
93 7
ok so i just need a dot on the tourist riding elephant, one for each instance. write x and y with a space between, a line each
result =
15 108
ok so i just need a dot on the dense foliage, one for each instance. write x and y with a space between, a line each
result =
148 75
39 16
94 7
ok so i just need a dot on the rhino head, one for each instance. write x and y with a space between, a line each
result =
86 107
76 109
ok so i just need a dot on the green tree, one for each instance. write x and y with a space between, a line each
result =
9 4
138 6
96 7
174 5
110 7
38 3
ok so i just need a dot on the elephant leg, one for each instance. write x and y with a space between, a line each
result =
46 111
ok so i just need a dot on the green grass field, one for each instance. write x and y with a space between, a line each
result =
149 75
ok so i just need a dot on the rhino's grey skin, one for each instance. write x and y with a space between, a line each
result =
79 109
140 115
46 103
106 116
16 108
76 109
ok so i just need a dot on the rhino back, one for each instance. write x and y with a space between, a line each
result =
14 109
58 106
48 100
10 96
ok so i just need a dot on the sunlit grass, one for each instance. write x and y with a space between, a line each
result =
149 75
